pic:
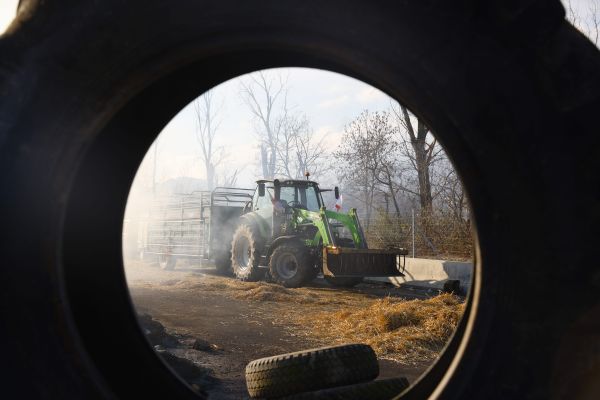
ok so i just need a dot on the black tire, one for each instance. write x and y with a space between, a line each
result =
343 281
245 255
382 389
223 264
291 265
120 76
311 370
167 262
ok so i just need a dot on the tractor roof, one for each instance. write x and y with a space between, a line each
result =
289 182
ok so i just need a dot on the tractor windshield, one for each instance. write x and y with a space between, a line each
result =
306 197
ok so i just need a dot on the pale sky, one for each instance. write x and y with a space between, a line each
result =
329 100
8 9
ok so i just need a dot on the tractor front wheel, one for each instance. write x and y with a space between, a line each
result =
290 265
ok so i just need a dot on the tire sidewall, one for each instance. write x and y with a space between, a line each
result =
505 90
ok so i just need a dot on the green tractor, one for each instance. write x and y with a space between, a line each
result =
286 231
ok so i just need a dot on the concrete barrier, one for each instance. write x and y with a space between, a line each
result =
433 274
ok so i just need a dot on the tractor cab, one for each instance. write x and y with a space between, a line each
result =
287 194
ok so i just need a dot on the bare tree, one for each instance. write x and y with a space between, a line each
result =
420 147
288 130
299 151
310 153
367 162
450 196
228 179
206 131
587 19
262 95
288 145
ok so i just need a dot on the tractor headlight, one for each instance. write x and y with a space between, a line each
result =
333 250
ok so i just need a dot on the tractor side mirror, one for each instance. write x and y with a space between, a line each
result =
336 192
261 189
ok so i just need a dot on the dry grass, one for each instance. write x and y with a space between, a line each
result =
257 291
405 331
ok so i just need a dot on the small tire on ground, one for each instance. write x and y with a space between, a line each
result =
290 265
343 281
167 262
245 254
374 390
311 370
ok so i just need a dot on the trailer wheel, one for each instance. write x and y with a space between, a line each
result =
310 370
166 262
290 265
343 281
223 264
245 255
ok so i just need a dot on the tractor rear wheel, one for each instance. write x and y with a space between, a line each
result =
245 255
343 281
290 265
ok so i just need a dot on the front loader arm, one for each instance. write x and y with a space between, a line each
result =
321 221
318 219
358 261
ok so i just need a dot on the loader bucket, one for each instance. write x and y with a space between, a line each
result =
342 262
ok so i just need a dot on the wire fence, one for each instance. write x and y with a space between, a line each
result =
432 236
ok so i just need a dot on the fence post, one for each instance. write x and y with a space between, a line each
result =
413 233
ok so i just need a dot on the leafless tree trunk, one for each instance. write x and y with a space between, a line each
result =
451 198
261 94
206 131
289 128
288 146
299 151
423 151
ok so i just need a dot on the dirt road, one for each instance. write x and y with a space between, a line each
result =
244 323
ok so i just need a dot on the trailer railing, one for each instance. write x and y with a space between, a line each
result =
180 224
